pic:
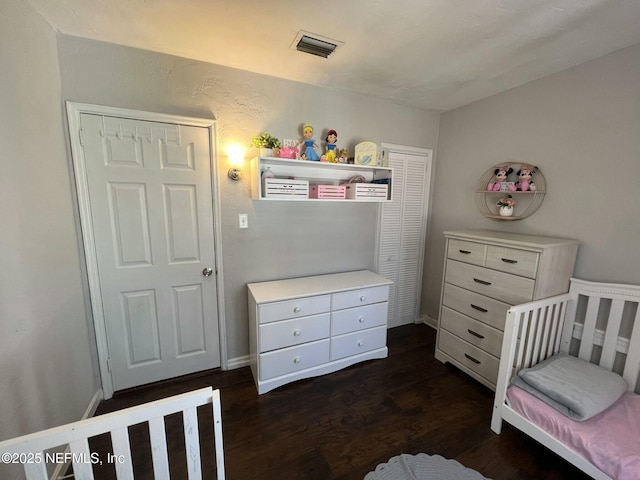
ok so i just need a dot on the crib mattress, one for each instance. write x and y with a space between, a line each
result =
609 440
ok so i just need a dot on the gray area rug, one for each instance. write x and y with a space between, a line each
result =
422 467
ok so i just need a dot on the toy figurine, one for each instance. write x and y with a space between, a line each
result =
332 138
525 178
308 145
500 176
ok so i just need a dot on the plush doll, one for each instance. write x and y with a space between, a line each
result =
525 178
500 175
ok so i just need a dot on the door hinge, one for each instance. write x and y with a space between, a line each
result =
109 363
80 137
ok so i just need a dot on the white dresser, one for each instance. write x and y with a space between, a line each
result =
486 272
310 326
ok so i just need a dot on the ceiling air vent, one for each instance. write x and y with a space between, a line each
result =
315 44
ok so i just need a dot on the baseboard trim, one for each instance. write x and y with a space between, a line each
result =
238 362
430 321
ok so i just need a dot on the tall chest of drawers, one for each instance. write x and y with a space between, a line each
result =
310 326
486 272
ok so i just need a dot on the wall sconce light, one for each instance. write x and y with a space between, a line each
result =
236 157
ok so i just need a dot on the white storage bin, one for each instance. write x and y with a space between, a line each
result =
286 188
368 191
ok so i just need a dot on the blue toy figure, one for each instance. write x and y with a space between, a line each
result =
308 152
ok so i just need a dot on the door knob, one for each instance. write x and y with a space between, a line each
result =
207 272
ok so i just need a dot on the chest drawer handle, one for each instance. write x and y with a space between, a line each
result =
477 362
466 252
363 298
361 319
296 333
296 360
360 343
483 282
296 310
480 309
475 334
508 260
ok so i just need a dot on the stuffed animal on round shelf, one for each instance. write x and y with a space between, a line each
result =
525 178
501 175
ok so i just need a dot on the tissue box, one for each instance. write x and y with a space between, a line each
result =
368 153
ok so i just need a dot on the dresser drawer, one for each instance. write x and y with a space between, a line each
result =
471 357
292 359
512 260
361 296
469 252
505 287
358 342
300 307
476 333
293 332
359 318
488 310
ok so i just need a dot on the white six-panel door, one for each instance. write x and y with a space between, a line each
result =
150 197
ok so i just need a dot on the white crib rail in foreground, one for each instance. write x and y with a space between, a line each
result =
30 449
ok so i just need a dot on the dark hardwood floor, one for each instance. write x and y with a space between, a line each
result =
340 426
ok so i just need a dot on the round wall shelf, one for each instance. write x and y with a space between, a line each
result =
527 201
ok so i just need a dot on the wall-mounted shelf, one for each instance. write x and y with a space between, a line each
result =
316 173
528 201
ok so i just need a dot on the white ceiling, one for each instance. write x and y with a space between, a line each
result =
432 54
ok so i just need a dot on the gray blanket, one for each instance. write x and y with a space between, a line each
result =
574 387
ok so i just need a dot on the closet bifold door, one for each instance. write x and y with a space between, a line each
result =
402 235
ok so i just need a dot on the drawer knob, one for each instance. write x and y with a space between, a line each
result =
360 343
296 310
480 309
482 282
477 362
296 360
296 333
361 319
508 260
363 298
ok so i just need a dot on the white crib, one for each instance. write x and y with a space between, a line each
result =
597 322
33 450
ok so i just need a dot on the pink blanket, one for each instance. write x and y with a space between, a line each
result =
609 440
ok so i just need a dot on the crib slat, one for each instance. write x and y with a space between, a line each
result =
611 336
217 433
586 344
159 455
82 469
632 364
122 452
535 358
192 443
36 471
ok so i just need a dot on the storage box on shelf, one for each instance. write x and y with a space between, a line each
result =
327 191
485 273
367 191
321 174
286 188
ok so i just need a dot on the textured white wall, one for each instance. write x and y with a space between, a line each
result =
582 128
284 239
46 375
